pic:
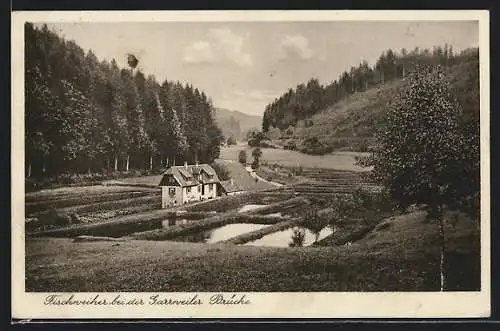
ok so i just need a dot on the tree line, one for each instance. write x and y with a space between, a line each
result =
310 98
87 115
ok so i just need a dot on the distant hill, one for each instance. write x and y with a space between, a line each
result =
235 123
350 123
344 114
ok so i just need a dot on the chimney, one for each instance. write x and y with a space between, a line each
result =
197 163
185 165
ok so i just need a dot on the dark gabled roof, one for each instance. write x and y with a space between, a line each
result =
229 186
185 173
188 176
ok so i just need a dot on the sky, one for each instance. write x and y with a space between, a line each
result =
245 65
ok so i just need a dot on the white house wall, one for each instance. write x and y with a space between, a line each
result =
166 200
210 194
193 195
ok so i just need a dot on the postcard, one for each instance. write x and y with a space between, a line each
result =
250 164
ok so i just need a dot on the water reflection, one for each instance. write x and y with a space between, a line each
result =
293 237
223 233
298 237
250 207
173 221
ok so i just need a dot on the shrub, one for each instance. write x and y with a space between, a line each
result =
256 154
242 157
298 238
314 221
231 141
312 145
253 142
255 138
222 171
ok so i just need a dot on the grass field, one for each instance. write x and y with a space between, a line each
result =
288 158
403 256
63 192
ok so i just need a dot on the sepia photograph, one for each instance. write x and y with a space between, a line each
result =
250 155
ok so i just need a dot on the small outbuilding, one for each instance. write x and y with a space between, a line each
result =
229 187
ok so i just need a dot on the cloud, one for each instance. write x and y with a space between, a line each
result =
199 52
295 46
222 45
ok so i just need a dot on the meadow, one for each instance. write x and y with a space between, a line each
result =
288 158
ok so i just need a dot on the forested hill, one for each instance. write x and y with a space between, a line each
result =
345 114
236 124
83 114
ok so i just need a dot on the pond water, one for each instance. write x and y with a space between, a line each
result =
250 207
286 237
222 233
174 221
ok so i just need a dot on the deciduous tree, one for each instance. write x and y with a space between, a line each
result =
420 148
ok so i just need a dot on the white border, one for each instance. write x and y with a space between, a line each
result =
291 305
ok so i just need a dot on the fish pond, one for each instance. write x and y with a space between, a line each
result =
292 237
221 233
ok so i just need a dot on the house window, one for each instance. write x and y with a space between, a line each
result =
171 192
188 190
210 188
199 189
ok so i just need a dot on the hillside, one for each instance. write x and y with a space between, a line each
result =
235 123
347 125
350 124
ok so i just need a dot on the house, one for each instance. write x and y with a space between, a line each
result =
188 183
229 187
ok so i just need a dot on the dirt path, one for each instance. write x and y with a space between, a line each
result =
254 175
